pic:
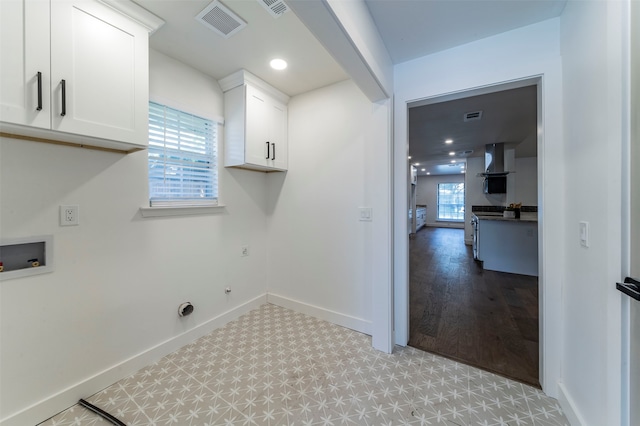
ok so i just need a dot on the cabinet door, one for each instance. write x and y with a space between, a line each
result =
24 43
277 124
257 143
103 59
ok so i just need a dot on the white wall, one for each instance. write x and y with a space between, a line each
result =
529 52
522 187
118 278
526 181
319 253
593 34
427 193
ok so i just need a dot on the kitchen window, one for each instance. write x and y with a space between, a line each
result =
451 202
183 159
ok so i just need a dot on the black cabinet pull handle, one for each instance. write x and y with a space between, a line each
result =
64 98
630 287
39 108
268 152
274 151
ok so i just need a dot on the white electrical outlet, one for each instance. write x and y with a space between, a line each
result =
244 251
69 215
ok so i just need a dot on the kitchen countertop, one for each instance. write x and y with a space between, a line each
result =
524 217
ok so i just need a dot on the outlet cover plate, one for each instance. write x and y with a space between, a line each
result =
69 215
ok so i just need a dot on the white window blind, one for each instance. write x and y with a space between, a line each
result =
182 158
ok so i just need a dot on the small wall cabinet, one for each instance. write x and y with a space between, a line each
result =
74 71
255 124
21 257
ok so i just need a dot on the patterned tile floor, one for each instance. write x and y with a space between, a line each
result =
274 366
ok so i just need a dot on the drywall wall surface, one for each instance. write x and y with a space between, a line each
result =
118 278
319 252
427 193
526 181
593 59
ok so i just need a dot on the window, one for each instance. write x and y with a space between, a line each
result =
183 160
451 201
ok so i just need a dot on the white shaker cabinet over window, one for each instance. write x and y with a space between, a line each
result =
255 124
74 71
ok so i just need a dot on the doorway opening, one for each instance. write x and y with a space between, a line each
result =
481 313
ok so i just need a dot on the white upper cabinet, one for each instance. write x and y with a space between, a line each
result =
78 73
24 67
255 124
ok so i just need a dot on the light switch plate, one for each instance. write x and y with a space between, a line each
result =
584 234
366 214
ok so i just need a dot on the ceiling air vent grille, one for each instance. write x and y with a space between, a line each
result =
473 116
276 8
220 19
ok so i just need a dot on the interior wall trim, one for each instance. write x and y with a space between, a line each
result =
357 324
569 407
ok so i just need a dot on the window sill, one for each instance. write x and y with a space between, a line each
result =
180 211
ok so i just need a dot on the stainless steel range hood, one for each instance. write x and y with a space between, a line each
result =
495 177
494 160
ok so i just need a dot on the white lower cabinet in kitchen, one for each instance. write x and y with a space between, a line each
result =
421 217
508 246
74 71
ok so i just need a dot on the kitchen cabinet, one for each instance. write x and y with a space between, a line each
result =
419 221
75 72
421 217
508 245
255 124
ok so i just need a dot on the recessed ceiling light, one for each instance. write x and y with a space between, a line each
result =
452 153
461 171
409 157
428 173
448 141
416 164
423 170
453 161
278 64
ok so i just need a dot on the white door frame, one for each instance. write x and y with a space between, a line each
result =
401 240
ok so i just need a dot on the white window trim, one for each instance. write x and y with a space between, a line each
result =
181 210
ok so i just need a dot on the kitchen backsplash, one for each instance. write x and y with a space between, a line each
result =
500 209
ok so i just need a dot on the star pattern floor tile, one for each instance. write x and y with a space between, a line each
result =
274 366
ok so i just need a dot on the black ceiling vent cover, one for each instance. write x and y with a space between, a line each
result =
473 116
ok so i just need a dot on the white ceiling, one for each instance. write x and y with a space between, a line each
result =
508 116
414 28
409 28
264 38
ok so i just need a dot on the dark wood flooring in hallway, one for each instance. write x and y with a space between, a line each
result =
483 318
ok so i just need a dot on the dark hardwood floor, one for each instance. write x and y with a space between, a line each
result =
483 318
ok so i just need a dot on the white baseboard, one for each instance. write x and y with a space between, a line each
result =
458 225
569 407
66 398
347 321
